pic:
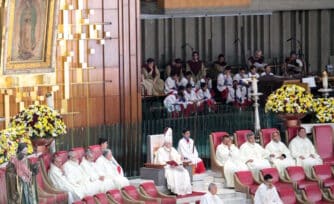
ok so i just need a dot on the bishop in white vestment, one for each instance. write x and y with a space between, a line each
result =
254 155
304 152
211 196
178 179
77 177
58 179
279 153
188 151
111 169
96 174
228 156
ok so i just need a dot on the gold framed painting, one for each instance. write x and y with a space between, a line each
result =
28 40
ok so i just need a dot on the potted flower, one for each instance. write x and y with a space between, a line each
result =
42 124
290 102
324 109
9 140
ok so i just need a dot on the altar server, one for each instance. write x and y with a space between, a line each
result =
266 193
211 196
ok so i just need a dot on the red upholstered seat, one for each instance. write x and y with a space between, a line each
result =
324 174
313 194
102 198
89 200
323 141
148 188
265 135
290 133
297 175
240 137
287 195
116 195
132 193
245 179
78 202
96 151
80 152
215 140
63 155
276 179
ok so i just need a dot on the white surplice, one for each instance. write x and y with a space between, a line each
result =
277 149
188 150
304 147
178 179
208 198
265 195
59 181
110 171
77 177
94 173
170 85
257 154
231 160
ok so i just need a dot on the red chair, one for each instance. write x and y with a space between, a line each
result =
78 202
323 173
148 189
313 194
131 193
215 140
45 191
265 135
323 142
287 195
116 196
245 183
89 200
330 192
290 133
96 151
297 176
63 155
240 137
101 198
3 192
279 182
80 153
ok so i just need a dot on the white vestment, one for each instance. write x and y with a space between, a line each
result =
236 95
190 97
171 103
304 147
265 195
257 154
110 171
231 160
188 150
77 177
277 149
203 95
170 85
178 179
208 198
59 181
94 174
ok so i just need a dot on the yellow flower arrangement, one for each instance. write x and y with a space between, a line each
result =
291 99
9 140
324 109
40 121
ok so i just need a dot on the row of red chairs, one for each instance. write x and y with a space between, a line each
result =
146 194
322 137
318 189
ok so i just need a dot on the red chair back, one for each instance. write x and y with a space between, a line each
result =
323 171
291 132
102 198
296 173
63 155
116 195
313 193
323 140
96 151
217 138
240 137
3 192
287 195
273 172
46 158
245 177
150 189
265 135
80 153
89 200
132 192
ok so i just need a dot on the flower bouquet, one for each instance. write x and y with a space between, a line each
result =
324 109
9 140
40 121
